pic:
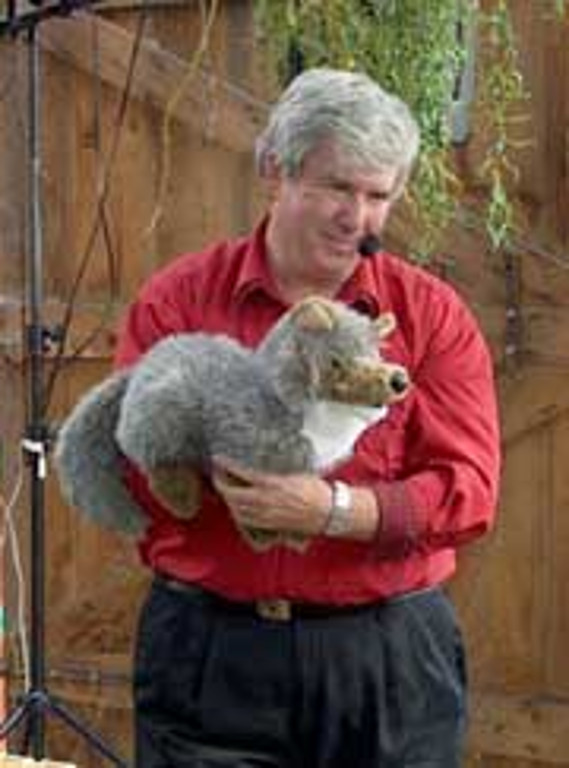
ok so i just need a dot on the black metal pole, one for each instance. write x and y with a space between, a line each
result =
37 430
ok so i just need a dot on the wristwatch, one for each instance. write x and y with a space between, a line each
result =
339 518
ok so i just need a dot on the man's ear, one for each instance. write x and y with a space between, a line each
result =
271 174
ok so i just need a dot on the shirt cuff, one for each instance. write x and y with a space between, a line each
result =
398 529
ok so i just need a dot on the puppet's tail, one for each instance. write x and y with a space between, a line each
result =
88 459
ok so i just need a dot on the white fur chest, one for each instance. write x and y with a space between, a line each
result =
333 428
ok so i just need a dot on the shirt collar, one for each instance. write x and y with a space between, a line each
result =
358 291
254 274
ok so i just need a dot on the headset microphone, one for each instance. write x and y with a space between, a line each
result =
368 245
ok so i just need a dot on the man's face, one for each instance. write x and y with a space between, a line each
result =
329 206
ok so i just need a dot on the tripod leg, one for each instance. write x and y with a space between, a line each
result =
14 718
26 712
36 704
88 734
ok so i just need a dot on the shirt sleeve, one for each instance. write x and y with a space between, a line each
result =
446 493
152 316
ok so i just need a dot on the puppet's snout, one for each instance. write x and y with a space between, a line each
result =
368 383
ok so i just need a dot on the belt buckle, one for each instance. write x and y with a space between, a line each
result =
275 609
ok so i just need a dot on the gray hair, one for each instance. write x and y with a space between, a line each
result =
375 127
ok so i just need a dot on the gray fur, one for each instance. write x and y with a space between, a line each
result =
193 396
88 458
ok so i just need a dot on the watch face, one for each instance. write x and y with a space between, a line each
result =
339 520
342 496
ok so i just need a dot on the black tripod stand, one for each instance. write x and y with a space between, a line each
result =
37 701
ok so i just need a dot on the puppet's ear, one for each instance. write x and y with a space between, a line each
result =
314 314
385 324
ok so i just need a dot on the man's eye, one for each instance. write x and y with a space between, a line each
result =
338 188
379 197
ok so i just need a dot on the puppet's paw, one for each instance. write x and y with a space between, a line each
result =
178 487
259 539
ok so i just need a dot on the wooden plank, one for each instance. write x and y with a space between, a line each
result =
523 728
239 116
12 168
544 338
556 525
544 61
533 399
106 249
500 591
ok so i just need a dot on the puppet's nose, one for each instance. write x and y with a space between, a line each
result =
399 381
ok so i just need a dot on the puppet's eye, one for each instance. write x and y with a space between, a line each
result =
336 363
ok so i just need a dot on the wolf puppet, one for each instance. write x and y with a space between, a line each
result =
194 396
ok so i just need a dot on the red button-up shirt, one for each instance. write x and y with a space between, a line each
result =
433 461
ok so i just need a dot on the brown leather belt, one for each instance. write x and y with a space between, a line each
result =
273 609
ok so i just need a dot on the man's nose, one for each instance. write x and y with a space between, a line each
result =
355 211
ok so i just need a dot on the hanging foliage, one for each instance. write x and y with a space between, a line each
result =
502 93
418 50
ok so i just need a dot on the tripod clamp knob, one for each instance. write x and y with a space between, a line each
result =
38 449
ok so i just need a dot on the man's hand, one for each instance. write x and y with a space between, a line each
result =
291 504
295 504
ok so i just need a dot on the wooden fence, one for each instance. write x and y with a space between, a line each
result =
103 171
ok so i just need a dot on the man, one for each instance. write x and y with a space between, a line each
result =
347 653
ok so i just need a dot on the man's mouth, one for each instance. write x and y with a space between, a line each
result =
341 244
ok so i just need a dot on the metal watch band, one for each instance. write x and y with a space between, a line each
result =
338 521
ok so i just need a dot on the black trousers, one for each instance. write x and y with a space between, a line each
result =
382 687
